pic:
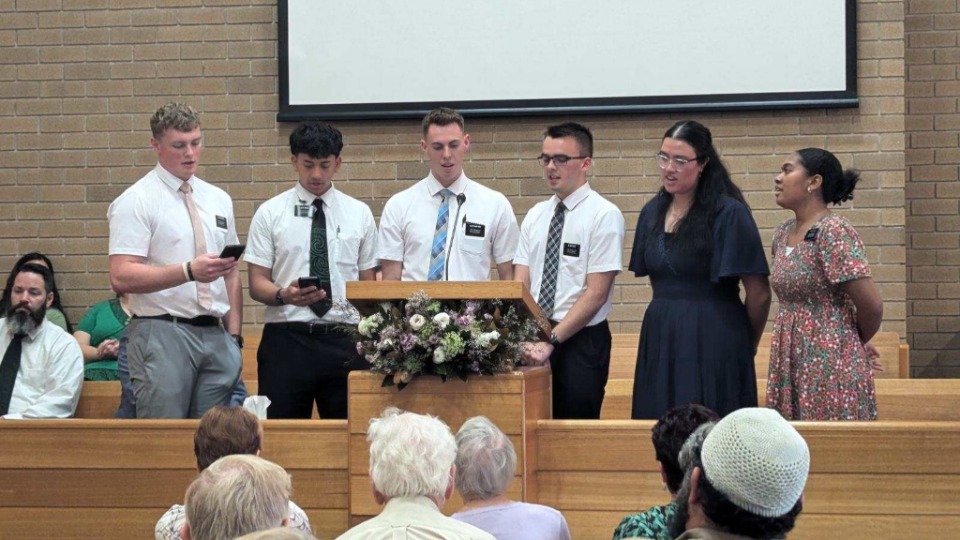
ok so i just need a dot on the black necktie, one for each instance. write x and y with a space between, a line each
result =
8 371
319 258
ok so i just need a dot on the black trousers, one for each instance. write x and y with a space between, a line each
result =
581 366
296 369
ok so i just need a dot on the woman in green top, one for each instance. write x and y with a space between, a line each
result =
99 337
55 313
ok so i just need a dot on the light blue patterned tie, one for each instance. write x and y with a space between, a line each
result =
437 256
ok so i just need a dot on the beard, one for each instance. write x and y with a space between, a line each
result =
678 524
22 320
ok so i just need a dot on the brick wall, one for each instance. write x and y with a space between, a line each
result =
932 190
79 83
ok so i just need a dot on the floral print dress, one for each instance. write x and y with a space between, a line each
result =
819 369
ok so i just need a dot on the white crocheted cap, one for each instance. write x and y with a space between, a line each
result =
758 460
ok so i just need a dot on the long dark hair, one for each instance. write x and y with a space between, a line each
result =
30 257
694 232
838 184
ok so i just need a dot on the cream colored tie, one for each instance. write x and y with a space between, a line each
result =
199 242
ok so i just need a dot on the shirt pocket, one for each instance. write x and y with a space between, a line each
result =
473 245
348 251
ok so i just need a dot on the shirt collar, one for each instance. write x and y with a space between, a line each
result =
307 197
457 187
574 198
172 181
31 336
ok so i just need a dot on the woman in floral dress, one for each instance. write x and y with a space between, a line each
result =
821 361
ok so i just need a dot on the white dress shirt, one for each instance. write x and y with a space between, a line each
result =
592 242
51 373
279 239
413 518
485 229
150 220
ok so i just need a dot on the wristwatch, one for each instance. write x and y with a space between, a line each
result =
239 339
553 339
279 297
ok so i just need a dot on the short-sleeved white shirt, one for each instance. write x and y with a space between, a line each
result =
150 220
486 229
279 239
592 242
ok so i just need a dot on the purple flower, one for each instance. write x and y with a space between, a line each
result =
465 320
408 341
433 339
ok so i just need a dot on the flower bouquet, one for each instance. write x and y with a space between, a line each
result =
449 338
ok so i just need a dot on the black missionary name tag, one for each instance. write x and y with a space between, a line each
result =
571 250
811 235
221 222
475 229
304 210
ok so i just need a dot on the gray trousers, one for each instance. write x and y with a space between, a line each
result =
179 370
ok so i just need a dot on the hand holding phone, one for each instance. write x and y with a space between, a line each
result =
233 251
309 281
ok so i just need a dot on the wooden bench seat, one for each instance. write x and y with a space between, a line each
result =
897 399
869 480
894 355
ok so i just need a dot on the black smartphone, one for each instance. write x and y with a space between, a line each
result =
233 251
310 281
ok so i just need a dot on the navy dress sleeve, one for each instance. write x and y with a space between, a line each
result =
645 222
737 248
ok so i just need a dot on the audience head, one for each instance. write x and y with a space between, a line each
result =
485 462
411 455
744 475
236 495
41 260
29 298
445 143
669 434
279 533
225 431
836 185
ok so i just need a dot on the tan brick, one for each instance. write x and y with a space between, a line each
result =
178 69
45 36
164 51
242 15
85 36
253 49
60 19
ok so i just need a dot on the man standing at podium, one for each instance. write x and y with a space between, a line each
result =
447 227
570 251
323 237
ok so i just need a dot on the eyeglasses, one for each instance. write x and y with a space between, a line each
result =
664 160
559 160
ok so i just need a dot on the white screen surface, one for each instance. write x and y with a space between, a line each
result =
497 55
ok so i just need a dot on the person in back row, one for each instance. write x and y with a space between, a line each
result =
447 226
56 313
485 463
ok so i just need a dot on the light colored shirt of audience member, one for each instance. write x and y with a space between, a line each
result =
518 521
51 373
413 518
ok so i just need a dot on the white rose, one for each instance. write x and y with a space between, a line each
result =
386 344
364 327
417 321
487 338
439 355
441 319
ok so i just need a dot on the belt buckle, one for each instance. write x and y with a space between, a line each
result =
311 325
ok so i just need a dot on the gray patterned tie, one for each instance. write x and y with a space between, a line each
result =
551 261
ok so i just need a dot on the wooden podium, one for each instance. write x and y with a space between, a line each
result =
513 401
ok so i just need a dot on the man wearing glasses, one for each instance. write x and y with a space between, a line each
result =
446 226
571 248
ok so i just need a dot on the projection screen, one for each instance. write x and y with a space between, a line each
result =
394 59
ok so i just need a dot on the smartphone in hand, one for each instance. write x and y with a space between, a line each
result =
233 251
310 281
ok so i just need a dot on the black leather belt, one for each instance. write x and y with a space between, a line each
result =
311 327
203 320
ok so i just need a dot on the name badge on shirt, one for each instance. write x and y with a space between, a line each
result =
811 235
475 229
221 222
304 210
571 250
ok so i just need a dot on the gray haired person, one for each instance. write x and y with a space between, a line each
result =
486 461
744 478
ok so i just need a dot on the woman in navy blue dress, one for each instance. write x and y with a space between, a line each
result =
697 241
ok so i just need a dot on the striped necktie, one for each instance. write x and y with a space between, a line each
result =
551 261
438 257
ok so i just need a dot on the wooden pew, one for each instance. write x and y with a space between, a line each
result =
897 399
894 355
111 479
868 480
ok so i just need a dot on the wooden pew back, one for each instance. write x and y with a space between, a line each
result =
109 479
867 480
